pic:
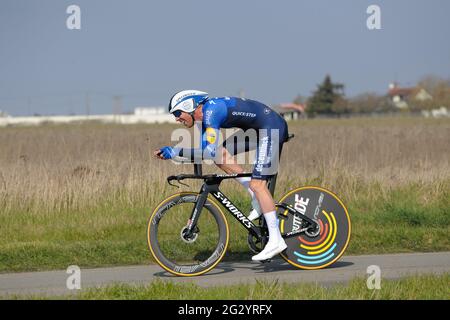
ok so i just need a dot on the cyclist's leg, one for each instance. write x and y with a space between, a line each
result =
266 165
233 145
263 195
228 163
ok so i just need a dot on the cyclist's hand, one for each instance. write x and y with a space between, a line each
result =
157 154
165 153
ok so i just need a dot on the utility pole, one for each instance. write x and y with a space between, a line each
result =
29 106
117 105
88 105
70 111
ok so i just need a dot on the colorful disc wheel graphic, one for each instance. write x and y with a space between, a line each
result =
314 249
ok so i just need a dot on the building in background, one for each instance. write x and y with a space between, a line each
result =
149 111
291 111
141 115
3 114
402 97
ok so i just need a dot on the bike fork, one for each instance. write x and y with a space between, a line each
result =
195 215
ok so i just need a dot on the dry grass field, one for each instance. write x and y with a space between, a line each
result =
81 194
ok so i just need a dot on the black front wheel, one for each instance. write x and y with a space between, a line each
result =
178 251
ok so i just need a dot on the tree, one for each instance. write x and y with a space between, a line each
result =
431 82
327 99
370 102
438 88
299 100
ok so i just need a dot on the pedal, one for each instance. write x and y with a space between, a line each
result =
266 261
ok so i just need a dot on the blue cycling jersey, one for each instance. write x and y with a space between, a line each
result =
229 112
232 112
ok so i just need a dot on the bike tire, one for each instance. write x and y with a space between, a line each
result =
315 251
155 244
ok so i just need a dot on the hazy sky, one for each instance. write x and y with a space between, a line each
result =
146 50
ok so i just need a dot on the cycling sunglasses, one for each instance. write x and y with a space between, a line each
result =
177 113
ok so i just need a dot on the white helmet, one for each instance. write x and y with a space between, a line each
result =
187 100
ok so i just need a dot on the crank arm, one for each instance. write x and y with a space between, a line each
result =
295 233
300 216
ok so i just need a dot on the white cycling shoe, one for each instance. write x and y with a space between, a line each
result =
253 215
271 250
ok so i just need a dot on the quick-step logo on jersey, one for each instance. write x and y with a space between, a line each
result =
244 114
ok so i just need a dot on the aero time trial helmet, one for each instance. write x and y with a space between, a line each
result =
187 101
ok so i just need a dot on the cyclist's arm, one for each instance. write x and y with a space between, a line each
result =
213 116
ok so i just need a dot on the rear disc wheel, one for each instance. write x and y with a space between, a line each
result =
321 247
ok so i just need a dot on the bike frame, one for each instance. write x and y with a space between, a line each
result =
211 186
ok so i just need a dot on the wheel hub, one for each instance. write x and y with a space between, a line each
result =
314 231
189 238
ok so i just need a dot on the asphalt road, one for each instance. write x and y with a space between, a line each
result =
392 266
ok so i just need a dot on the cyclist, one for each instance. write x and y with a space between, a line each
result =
189 106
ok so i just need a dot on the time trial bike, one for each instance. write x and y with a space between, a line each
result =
188 233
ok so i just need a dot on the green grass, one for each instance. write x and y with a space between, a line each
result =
404 219
82 194
409 288
401 222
